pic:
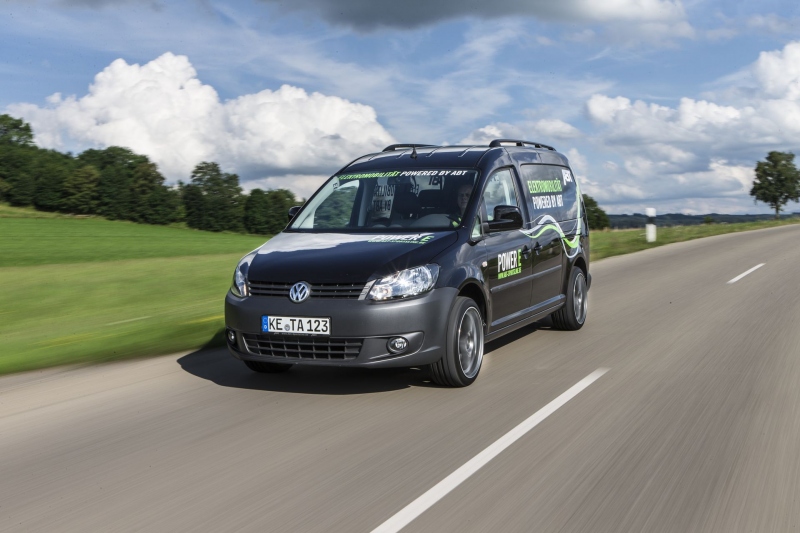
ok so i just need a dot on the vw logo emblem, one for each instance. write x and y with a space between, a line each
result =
299 292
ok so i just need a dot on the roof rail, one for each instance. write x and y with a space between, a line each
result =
499 142
394 147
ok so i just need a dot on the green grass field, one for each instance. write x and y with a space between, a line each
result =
77 290
619 242
83 289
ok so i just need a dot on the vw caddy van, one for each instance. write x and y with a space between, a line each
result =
417 256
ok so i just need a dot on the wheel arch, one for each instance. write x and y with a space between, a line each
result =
471 289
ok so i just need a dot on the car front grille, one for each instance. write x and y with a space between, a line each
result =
346 291
303 347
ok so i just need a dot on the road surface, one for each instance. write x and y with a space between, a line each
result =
692 425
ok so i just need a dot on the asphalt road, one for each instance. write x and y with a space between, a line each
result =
695 426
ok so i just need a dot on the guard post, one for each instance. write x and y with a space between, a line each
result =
650 226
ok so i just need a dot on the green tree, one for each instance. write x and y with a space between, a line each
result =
213 200
50 170
80 191
278 203
15 173
15 131
114 190
17 153
152 202
598 219
777 181
256 219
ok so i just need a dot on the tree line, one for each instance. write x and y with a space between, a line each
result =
118 184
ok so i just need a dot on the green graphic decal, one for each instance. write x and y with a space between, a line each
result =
419 238
509 264
548 223
390 174
544 186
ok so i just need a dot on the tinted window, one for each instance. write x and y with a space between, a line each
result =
499 191
399 200
550 190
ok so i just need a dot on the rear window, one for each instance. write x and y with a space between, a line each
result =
389 200
550 190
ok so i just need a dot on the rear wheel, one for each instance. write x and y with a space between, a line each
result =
572 316
267 368
461 362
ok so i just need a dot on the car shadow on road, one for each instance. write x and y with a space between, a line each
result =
215 364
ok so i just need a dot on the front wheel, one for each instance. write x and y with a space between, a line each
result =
461 362
572 316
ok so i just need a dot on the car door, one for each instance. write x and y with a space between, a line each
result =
544 192
507 269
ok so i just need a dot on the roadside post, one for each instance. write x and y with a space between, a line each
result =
650 226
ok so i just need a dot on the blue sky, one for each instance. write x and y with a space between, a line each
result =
657 103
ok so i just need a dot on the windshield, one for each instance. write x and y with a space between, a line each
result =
391 200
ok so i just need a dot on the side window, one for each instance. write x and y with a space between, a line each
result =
476 228
499 191
550 190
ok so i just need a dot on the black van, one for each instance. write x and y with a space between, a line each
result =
417 256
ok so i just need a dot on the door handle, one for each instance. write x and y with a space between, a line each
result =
537 248
526 252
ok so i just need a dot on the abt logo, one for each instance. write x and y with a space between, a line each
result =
509 264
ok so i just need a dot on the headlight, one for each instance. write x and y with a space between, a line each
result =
240 286
405 283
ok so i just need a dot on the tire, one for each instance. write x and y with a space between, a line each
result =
572 316
461 362
267 368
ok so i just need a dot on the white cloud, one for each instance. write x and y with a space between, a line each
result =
541 130
161 109
490 132
302 185
701 148
553 127
772 24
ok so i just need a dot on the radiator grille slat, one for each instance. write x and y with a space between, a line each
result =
318 290
303 347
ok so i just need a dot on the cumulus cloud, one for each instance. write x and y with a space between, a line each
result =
773 24
701 148
163 110
302 185
367 15
543 130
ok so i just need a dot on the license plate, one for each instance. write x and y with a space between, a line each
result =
295 324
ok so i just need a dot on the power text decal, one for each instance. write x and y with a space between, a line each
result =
509 264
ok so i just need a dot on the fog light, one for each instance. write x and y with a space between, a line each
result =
231 336
397 345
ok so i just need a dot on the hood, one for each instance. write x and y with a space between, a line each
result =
344 257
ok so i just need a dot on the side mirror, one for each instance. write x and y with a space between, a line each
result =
293 211
506 217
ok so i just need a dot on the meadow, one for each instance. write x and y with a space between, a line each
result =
608 243
76 290
79 290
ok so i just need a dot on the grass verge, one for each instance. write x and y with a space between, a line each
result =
619 242
61 314
81 290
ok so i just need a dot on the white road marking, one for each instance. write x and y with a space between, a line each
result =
743 274
126 321
441 489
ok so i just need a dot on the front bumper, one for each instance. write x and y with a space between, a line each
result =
421 320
